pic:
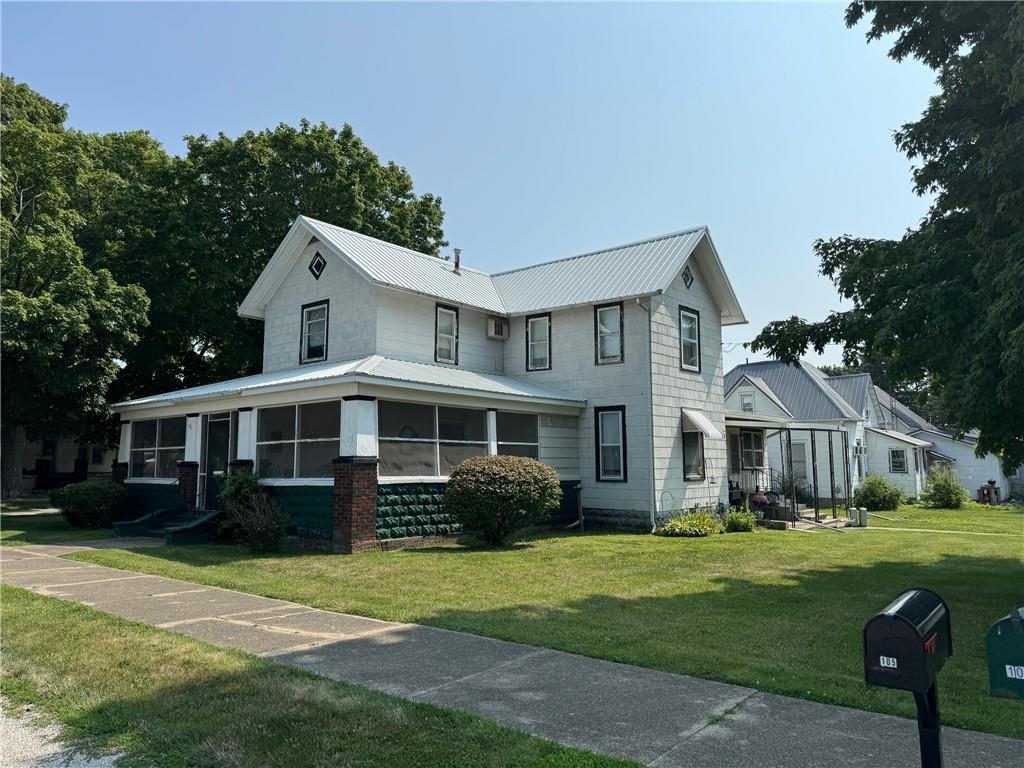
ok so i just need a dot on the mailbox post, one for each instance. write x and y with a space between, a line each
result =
905 646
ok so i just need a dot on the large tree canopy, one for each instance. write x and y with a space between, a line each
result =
64 325
208 223
946 302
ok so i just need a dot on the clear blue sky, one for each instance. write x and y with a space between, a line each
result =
547 129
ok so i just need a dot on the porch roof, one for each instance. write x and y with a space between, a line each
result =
754 421
899 436
374 369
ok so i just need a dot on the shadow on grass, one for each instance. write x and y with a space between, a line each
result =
46 529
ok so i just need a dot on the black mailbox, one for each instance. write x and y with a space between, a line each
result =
907 644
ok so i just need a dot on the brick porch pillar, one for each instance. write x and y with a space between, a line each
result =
355 504
119 471
188 482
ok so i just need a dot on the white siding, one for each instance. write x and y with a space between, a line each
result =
559 445
351 315
911 483
405 330
573 370
972 471
674 389
763 405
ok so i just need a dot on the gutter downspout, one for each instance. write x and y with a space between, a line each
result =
650 390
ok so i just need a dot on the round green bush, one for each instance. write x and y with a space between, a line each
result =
497 495
694 524
740 520
877 493
944 490
91 504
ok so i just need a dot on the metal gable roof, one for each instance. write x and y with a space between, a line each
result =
893 409
635 269
762 385
802 388
853 388
375 369
641 268
900 436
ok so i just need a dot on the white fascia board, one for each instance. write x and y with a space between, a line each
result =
725 284
363 378
254 303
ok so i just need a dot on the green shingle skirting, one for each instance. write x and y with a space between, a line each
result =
412 509
309 509
142 498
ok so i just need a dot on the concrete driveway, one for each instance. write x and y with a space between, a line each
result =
657 718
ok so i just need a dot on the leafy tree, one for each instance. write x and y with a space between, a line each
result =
201 230
946 301
64 325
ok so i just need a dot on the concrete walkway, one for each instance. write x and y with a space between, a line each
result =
657 718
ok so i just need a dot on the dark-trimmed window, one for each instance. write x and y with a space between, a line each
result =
538 342
689 339
446 334
608 335
610 443
693 455
314 332
898 461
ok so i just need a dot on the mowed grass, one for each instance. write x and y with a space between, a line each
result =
28 503
167 700
979 518
16 530
778 611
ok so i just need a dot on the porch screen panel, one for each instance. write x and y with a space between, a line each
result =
298 441
157 447
407 440
518 434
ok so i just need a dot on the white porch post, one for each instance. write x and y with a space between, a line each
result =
492 432
125 444
193 422
359 426
246 434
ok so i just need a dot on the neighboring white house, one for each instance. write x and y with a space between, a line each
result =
883 436
606 366
837 416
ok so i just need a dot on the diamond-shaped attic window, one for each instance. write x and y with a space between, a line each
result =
687 277
317 265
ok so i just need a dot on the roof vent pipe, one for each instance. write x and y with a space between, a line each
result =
458 259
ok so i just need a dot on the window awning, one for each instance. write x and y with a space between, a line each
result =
702 424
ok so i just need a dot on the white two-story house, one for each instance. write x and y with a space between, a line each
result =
607 366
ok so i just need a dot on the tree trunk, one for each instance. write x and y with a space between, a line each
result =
11 450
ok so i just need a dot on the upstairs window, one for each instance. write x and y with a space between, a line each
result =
314 332
446 343
157 447
898 461
747 402
608 342
610 425
538 343
689 339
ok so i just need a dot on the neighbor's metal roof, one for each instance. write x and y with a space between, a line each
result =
893 409
903 438
852 387
372 369
802 388
636 269
405 269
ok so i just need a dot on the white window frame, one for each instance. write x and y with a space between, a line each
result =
746 402
892 467
156 449
684 341
532 344
307 324
618 412
620 348
452 337
296 440
435 440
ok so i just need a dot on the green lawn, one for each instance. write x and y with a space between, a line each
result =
167 700
979 518
45 529
25 504
778 611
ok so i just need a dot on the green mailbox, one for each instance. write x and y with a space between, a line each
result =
1004 648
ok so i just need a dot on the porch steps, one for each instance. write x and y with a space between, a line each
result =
175 525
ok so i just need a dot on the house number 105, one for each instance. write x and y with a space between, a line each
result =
887 661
